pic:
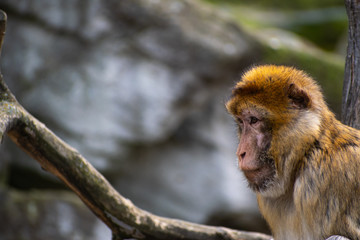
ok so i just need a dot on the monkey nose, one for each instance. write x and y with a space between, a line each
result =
242 155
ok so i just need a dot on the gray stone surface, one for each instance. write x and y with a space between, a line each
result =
138 87
52 215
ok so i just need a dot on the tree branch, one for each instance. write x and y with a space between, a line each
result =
118 213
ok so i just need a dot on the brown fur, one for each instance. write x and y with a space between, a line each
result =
315 192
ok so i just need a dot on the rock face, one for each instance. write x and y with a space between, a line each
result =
52 215
138 87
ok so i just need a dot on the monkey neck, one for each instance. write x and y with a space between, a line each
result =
311 136
315 146
286 211
278 217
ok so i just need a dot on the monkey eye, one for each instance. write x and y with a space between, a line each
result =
253 120
240 120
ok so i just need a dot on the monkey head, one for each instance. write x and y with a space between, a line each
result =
274 106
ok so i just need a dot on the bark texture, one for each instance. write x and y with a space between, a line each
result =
351 96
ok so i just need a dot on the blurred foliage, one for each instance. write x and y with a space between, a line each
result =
324 23
326 35
283 4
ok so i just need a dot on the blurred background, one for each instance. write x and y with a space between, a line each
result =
138 87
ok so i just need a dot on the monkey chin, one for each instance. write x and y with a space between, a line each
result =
262 179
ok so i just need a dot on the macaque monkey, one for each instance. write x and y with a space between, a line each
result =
303 164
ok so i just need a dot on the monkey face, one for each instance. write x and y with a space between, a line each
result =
274 107
253 150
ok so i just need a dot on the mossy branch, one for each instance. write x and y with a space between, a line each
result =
118 213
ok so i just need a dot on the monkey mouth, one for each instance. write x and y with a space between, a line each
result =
252 175
255 175
260 178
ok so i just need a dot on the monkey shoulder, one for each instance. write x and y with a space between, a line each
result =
330 168
329 185
335 155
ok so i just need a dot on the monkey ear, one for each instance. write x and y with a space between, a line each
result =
299 98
